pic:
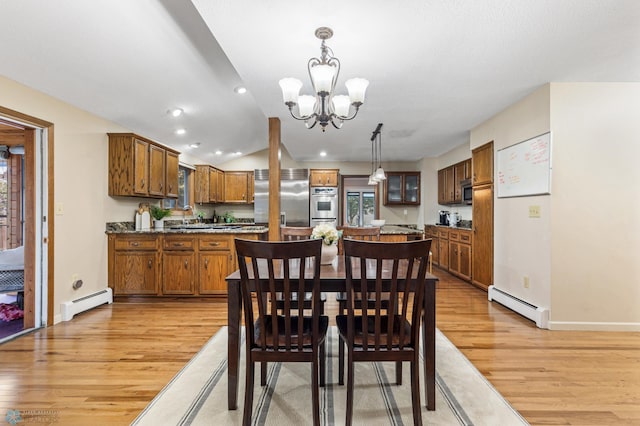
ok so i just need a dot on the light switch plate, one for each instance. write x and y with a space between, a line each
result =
534 211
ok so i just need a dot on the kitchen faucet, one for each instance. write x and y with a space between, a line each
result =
184 217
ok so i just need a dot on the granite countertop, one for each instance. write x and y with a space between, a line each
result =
398 230
193 228
465 227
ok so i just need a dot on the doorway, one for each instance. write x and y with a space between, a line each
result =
25 279
359 201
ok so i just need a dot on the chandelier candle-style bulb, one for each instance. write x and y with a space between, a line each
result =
326 106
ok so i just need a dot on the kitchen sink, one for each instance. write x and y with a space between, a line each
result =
206 226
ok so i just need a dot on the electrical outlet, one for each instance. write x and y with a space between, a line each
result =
59 209
525 282
405 212
534 211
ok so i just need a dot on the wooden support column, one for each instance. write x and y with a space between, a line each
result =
274 179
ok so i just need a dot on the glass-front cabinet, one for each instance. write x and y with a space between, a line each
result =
402 188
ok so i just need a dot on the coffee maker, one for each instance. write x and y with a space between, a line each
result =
444 217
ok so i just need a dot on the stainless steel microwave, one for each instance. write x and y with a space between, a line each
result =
467 194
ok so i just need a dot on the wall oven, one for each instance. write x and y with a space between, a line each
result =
323 205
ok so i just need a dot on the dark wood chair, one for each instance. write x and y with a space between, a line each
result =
367 233
288 335
371 336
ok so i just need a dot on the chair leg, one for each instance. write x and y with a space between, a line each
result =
315 393
263 373
341 344
399 373
415 392
248 395
323 363
350 368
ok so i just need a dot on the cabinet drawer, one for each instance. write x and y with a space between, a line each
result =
454 236
178 243
465 237
443 233
136 243
214 243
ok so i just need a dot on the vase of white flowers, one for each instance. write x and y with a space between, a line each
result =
330 236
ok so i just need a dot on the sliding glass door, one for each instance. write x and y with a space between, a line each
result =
361 207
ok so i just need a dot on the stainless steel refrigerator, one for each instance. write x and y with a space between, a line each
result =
294 197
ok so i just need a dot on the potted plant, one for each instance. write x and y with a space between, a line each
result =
158 214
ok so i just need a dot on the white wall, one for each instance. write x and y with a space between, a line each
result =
595 225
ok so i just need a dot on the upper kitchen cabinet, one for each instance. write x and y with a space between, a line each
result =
450 182
482 164
237 185
323 177
209 184
139 167
402 188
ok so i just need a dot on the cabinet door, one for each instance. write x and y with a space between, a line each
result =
156 170
393 185
135 272
202 184
442 186
178 272
171 175
236 185
482 241
213 185
412 188
454 259
220 197
449 184
213 267
443 253
482 163
250 189
464 261
458 177
141 167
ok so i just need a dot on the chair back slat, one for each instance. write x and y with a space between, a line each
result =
393 271
284 262
294 233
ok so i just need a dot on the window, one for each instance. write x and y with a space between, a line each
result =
360 202
185 190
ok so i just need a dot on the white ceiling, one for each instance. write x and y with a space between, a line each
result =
437 68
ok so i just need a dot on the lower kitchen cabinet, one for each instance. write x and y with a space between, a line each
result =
431 232
172 264
134 264
460 253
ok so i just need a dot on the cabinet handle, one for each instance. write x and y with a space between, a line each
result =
206 263
135 244
170 188
178 244
214 244
160 187
186 264
142 183
149 264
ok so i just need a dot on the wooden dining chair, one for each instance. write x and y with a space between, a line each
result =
366 233
288 335
371 336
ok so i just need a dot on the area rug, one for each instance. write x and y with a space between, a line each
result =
197 395
10 312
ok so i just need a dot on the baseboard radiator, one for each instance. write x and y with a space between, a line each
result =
536 314
69 309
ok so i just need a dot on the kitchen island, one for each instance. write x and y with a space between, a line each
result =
181 260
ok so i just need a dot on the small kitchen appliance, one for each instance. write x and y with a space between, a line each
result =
444 218
454 219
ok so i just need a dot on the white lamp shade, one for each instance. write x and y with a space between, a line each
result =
372 180
290 89
306 105
357 88
379 174
341 105
322 77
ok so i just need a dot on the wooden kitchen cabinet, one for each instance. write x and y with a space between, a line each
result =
443 248
460 253
133 264
208 187
482 243
178 265
482 162
236 187
431 232
450 182
323 177
139 167
402 188
215 262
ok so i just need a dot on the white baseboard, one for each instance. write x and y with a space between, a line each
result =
69 309
536 314
594 326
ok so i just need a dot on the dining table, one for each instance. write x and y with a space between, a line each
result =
332 280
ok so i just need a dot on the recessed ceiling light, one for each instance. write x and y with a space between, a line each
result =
323 153
181 131
218 152
195 145
176 112
237 153
240 90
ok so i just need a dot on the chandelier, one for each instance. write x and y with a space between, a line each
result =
377 174
325 107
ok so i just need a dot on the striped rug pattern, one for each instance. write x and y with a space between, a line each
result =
197 395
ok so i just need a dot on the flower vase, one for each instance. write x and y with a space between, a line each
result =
158 223
329 253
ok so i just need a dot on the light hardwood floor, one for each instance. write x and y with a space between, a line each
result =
105 365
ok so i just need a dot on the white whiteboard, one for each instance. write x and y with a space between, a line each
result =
525 168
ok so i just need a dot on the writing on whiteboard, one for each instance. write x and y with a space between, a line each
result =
525 168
